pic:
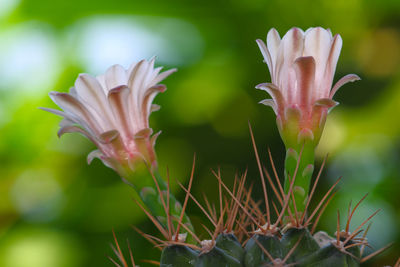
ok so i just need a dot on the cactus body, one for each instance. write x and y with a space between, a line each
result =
228 252
217 257
255 256
329 256
230 245
306 246
177 255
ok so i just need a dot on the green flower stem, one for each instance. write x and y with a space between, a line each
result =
305 154
148 186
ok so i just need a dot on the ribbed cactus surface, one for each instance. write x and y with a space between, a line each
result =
295 247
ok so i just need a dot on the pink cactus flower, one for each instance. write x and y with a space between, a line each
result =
112 110
302 66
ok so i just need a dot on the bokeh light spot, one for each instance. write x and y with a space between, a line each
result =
37 195
28 58
107 40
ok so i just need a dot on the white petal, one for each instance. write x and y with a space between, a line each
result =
118 99
269 102
91 92
317 43
163 75
102 80
276 95
55 111
71 105
273 42
116 76
149 97
326 102
332 61
94 154
76 129
266 55
346 79
291 48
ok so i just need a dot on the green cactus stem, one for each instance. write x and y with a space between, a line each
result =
217 257
162 204
299 165
301 239
231 245
255 255
329 256
178 255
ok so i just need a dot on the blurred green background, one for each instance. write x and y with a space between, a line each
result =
55 210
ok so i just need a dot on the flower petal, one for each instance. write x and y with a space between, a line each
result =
118 100
273 42
266 55
116 76
274 92
149 97
108 137
90 91
94 154
346 79
317 43
154 138
305 76
71 105
326 102
291 47
76 129
55 111
332 60
269 102
163 75
144 133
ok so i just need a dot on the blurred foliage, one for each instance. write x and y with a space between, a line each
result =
57 211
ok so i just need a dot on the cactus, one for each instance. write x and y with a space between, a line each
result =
245 234
278 243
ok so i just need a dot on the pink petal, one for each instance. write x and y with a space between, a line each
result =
55 111
273 42
118 99
292 115
274 92
149 97
266 55
154 107
136 76
116 76
332 60
346 79
163 75
76 129
91 92
305 75
269 102
73 106
291 48
326 103
113 146
94 154
144 133
317 43
108 137
154 138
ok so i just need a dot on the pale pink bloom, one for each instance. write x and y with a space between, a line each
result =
112 110
302 66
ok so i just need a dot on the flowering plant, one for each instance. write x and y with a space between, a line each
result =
302 66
